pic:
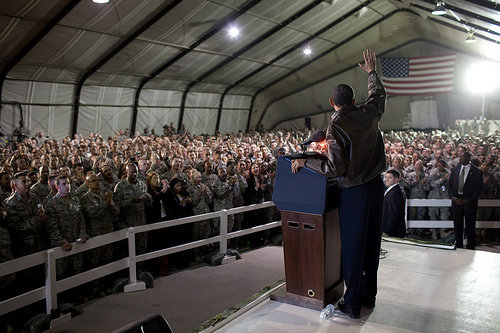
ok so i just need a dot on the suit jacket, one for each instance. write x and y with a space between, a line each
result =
393 213
473 184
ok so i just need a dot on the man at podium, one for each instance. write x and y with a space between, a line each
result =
356 159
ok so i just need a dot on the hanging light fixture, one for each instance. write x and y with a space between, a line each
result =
100 1
470 37
439 9
233 31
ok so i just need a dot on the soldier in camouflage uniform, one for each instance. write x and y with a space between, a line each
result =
201 198
25 218
239 188
143 167
5 190
175 171
419 186
158 165
223 190
65 171
208 176
108 179
6 281
83 189
101 214
132 197
25 221
438 179
41 188
53 189
65 225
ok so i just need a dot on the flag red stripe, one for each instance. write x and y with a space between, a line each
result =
420 94
451 55
418 88
388 81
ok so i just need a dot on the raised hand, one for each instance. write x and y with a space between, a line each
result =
369 64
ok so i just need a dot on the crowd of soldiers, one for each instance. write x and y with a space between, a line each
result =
57 193
424 160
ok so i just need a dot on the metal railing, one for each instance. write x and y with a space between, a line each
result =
447 223
53 287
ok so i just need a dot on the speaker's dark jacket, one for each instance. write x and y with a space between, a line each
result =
473 183
393 213
356 152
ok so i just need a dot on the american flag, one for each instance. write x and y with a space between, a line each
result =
418 75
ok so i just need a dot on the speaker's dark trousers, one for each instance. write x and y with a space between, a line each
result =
360 216
458 212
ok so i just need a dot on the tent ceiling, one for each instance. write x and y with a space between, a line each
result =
86 35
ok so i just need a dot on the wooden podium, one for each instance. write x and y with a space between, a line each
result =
308 204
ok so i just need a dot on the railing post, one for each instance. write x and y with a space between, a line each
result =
464 235
50 281
223 231
132 265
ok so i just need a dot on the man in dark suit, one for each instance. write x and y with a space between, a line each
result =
464 187
393 213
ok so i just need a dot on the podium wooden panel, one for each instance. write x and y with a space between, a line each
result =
312 259
308 204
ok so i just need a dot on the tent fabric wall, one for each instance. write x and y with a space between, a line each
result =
156 118
318 121
158 108
234 114
104 120
200 120
200 113
100 95
233 120
104 109
46 106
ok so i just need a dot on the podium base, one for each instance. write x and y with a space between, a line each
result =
332 296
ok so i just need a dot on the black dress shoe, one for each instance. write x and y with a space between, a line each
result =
344 308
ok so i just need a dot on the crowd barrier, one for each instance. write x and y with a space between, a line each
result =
53 287
412 224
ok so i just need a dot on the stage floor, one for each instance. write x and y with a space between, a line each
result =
420 290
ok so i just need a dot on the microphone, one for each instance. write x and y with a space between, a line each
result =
317 136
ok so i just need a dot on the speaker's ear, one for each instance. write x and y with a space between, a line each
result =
331 102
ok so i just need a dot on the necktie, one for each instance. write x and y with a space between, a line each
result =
461 181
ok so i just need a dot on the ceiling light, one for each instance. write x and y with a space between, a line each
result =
233 31
307 50
101 1
470 37
481 77
439 9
